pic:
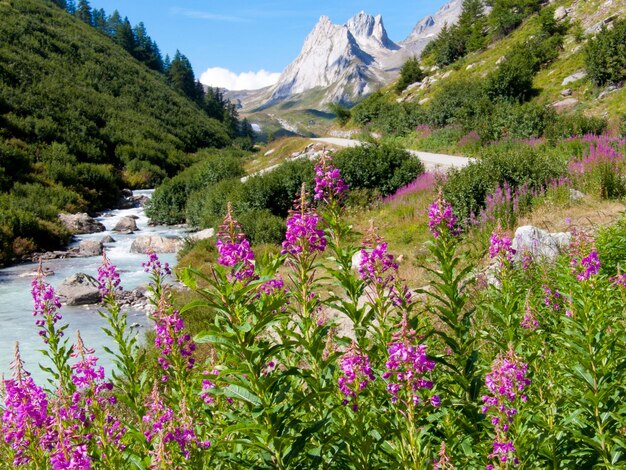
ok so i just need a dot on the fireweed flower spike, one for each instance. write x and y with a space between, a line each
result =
441 220
329 186
25 416
234 249
585 261
356 375
506 383
303 236
108 278
46 306
501 247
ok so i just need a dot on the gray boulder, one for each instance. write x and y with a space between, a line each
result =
81 223
126 225
79 289
566 104
107 239
574 77
156 243
539 243
201 235
90 248
566 92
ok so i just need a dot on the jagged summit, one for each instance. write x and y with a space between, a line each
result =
369 31
344 63
342 57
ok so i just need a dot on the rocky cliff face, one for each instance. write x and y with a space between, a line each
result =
344 63
344 59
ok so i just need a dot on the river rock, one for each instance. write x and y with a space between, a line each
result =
90 248
539 243
125 225
107 239
201 235
156 243
79 289
140 201
81 223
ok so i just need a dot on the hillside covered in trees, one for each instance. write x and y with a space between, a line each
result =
80 118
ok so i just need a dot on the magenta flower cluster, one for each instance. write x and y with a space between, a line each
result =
406 369
377 265
329 185
441 220
46 306
303 234
356 375
423 182
108 278
501 246
164 425
169 340
234 249
154 266
506 383
584 261
25 415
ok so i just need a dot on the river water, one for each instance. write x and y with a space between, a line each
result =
16 319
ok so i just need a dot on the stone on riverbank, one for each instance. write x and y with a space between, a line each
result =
81 223
79 289
90 248
156 243
126 225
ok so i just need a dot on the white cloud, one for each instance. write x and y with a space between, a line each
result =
224 78
205 15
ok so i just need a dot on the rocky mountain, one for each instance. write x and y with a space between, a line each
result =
344 63
344 59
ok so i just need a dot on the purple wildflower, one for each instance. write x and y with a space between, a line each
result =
356 375
108 278
329 186
46 306
303 233
25 412
501 247
174 345
443 461
154 266
619 280
234 249
441 219
585 261
506 383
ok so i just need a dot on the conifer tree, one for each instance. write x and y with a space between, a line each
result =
83 12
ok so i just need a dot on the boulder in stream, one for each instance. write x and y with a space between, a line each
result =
90 248
79 289
126 225
81 223
156 243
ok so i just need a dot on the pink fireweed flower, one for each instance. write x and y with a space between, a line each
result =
423 182
441 219
619 280
585 261
173 345
501 246
506 383
406 369
25 414
234 249
163 427
443 461
154 266
329 186
46 305
303 233
356 375
108 277
553 299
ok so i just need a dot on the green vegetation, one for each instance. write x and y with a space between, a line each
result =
409 73
80 118
605 55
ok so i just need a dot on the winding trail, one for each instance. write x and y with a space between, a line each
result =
430 160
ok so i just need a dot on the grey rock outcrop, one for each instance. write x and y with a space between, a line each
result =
79 289
90 248
539 243
201 235
126 225
81 223
574 77
107 239
156 243
566 104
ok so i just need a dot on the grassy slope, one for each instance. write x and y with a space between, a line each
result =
549 80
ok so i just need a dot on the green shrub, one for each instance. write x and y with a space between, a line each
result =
611 246
511 120
577 124
261 226
510 162
459 101
513 79
342 115
409 73
605 54
378 167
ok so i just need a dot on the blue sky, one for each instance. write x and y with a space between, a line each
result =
230 37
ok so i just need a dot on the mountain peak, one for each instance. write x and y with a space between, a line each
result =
369 31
